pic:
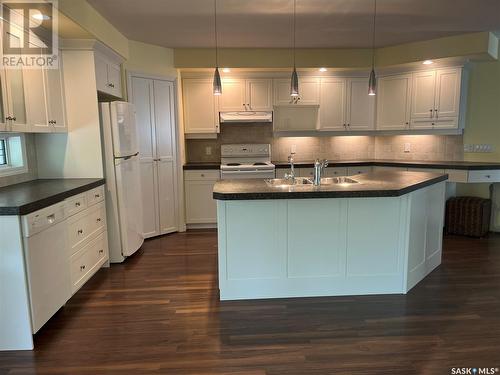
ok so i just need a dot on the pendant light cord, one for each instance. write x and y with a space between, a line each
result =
374 29
294 15
215 29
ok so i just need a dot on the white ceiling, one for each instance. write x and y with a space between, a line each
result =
320 23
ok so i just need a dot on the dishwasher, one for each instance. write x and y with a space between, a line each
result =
47 262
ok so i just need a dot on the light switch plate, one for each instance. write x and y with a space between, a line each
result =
208 150
407 147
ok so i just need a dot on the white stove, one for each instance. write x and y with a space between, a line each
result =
246 161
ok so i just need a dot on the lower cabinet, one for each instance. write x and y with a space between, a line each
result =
201 208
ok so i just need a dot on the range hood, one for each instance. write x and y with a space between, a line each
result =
246 116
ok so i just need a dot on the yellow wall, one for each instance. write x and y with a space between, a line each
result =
150 59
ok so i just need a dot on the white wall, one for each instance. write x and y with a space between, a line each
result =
78 153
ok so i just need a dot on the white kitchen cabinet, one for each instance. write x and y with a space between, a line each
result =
201 208
309 92
155 117
436 99
394 102
201 115
345 105
246 95
335 172
108 75
45 101
14 94
332 112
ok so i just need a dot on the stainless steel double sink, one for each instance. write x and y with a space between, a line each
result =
280 182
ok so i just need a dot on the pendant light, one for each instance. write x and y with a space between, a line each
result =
217 85
294 84
372 83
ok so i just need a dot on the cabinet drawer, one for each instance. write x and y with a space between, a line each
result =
76 204
88 260
304 172
352 171
428 170
457 175
95 195
202 175
484 176
84 226
335 172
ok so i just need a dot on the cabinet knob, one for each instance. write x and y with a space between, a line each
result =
488 176
82 268
96 196
80 231
101 251
98 219
14 118
202 175
77 204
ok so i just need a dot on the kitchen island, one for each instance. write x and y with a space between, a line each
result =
379 234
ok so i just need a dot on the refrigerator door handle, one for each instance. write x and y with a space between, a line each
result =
127 157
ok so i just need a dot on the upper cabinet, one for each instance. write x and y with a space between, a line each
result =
345 105
108 75
393 102
309 92
246 95
200 106
14 91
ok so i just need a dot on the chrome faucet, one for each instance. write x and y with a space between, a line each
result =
291 175
318 170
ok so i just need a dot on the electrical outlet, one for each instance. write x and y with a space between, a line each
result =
407 147
208 150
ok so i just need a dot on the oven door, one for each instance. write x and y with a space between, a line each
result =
246 174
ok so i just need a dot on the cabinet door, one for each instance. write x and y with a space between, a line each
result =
332 104
16 94
36 101
282 92
141 94
164 120
55 99
424 87
259 94
233 95
200 115
201 208
114 79
360 109
447 93
309 89
393 102
101 73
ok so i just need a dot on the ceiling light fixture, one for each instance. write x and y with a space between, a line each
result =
217 84
226 70
323 69
40 17
428 62
372 83
294 84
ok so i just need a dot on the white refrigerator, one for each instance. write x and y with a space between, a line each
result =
123 184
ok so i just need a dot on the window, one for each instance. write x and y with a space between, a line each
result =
12 155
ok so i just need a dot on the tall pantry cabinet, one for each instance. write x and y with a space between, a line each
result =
155 114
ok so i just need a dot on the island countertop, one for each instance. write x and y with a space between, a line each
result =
374 184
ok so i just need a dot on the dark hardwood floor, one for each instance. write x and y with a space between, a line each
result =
159 313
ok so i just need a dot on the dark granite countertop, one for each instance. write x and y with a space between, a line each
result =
464 165
374 184
27 197
201 165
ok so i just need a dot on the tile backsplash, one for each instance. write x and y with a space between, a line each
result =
422 147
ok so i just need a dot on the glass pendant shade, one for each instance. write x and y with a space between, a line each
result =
372 84
294 84
217 82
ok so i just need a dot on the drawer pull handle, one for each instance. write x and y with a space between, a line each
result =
101 251
82 268
77 204
80 231
488 176
96 196
202 175
98 219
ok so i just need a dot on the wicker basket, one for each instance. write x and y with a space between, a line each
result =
468 216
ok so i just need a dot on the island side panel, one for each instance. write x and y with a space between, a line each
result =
311 247
15 315
425 240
